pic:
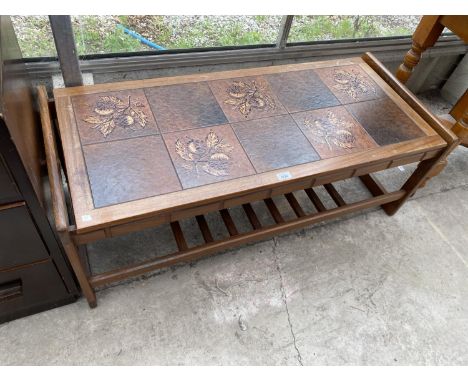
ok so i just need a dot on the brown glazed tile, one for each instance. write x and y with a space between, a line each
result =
207 155
185 106
246 98
350 83
384 121
125 170
274 143
301 90
333 131
109 116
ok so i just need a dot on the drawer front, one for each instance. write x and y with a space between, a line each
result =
8 191
20 241
29 287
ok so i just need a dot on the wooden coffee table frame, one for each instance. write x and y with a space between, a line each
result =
428 151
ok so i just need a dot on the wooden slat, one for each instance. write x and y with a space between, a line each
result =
228 222
334 194
314 198
295 205
219 245
179 236
59 206
204 228
373 185
274 210
252 216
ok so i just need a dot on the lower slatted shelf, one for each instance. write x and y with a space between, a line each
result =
259 229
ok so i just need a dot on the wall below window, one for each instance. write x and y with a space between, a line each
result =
434 69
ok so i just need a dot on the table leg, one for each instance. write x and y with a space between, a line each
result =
461 128
425 36
73 256
425 170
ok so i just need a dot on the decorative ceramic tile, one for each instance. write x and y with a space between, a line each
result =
208 155
185 106
274 143
333 131
385 122
246 98
129 169
301 90
109 116
350 83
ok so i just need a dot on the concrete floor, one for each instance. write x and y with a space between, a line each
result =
367 289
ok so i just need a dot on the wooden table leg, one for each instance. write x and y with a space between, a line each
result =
425 36
73 256
461 128
422 173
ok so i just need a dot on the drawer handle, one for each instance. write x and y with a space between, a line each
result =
11 289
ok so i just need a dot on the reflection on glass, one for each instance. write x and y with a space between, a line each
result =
319 28
34 36
115 34
111 34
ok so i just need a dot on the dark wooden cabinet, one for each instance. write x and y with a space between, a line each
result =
8 191
34 275
21 241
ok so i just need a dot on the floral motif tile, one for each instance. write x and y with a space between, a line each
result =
350 83
301 90
246 98
129 169
333 131
207 155
185 106
274 143
104 117
385 122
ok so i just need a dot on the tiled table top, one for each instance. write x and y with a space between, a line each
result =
141 141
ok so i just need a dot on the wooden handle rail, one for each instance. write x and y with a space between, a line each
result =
59 206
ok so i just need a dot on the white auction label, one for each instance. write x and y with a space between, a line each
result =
86 218
284 175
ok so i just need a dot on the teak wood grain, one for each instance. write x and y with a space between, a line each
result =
220 166
89 218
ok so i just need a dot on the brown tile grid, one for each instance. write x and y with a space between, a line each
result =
207 155
110 116
350 83
274 143
184 106
246 98
385 122
301 90
333 131
125 170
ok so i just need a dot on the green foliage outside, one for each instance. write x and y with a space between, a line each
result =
99 34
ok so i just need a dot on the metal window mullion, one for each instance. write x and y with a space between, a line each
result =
62 31
283 34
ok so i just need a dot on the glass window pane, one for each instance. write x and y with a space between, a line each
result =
112 34
34 36
320 28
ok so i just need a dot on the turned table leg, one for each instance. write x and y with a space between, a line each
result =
425 36
412 58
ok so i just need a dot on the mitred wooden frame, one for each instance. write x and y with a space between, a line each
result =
429 151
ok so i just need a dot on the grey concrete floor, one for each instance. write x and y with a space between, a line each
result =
367 289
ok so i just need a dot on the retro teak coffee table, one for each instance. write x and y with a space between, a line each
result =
143 153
